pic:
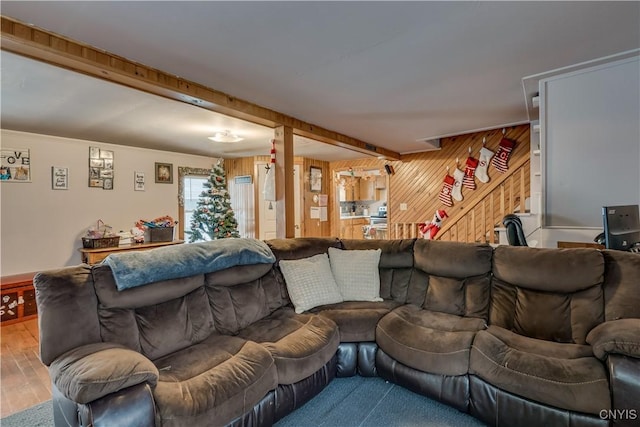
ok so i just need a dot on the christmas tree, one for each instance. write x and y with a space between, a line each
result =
214 218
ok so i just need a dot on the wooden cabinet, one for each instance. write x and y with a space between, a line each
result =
346 232
17 298
351 228
94 256
356 227
367 190
342 193
359 189
356 189
351 191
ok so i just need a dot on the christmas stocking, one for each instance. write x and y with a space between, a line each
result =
501 158
445 193
469 180
483 164
458 177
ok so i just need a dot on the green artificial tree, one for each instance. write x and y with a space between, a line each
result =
213 218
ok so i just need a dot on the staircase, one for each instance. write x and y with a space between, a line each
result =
481 219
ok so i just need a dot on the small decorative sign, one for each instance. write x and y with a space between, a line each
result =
59 178
138 181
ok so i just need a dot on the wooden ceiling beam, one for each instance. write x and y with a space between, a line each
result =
51 48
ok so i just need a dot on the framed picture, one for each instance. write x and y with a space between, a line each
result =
315 179
138 181
15 165
164 173
101 168
59 178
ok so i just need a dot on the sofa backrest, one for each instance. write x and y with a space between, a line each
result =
67 311
396 267
621 285
549 294
452 277
302 247
154 319
240 296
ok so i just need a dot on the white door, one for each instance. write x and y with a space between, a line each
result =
267 210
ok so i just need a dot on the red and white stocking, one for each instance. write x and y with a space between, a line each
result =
445 192
501 159
483 164
469 180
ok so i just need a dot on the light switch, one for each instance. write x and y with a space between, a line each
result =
403 206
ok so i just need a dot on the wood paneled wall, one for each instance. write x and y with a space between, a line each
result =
417 182
478 222
315 227
248 166
419 177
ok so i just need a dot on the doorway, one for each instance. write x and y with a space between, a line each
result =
267 213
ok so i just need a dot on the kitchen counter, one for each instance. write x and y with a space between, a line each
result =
353 216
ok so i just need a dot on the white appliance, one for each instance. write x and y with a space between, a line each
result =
377 228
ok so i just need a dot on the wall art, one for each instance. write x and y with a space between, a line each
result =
59 178
138 181
315 179
164 173
15 165
101 171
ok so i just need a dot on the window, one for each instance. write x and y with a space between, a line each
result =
190 185
193 186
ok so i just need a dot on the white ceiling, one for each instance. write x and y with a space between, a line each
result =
389 73
41 98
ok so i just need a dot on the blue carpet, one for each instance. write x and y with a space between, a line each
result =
345 402
360 401
40 415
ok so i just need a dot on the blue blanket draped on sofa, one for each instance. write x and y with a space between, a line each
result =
137 268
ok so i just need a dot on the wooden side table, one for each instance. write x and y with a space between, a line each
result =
17 298
94 256
579 245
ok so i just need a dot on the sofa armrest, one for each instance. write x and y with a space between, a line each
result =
95 370
625 389
616 337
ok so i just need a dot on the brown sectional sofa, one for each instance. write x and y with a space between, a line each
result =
512 335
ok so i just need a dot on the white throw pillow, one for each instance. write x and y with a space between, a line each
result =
356 273
310 282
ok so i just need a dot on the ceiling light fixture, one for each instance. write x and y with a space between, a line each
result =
225 136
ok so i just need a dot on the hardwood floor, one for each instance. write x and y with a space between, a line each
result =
24 380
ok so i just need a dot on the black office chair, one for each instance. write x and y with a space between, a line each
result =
515 233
